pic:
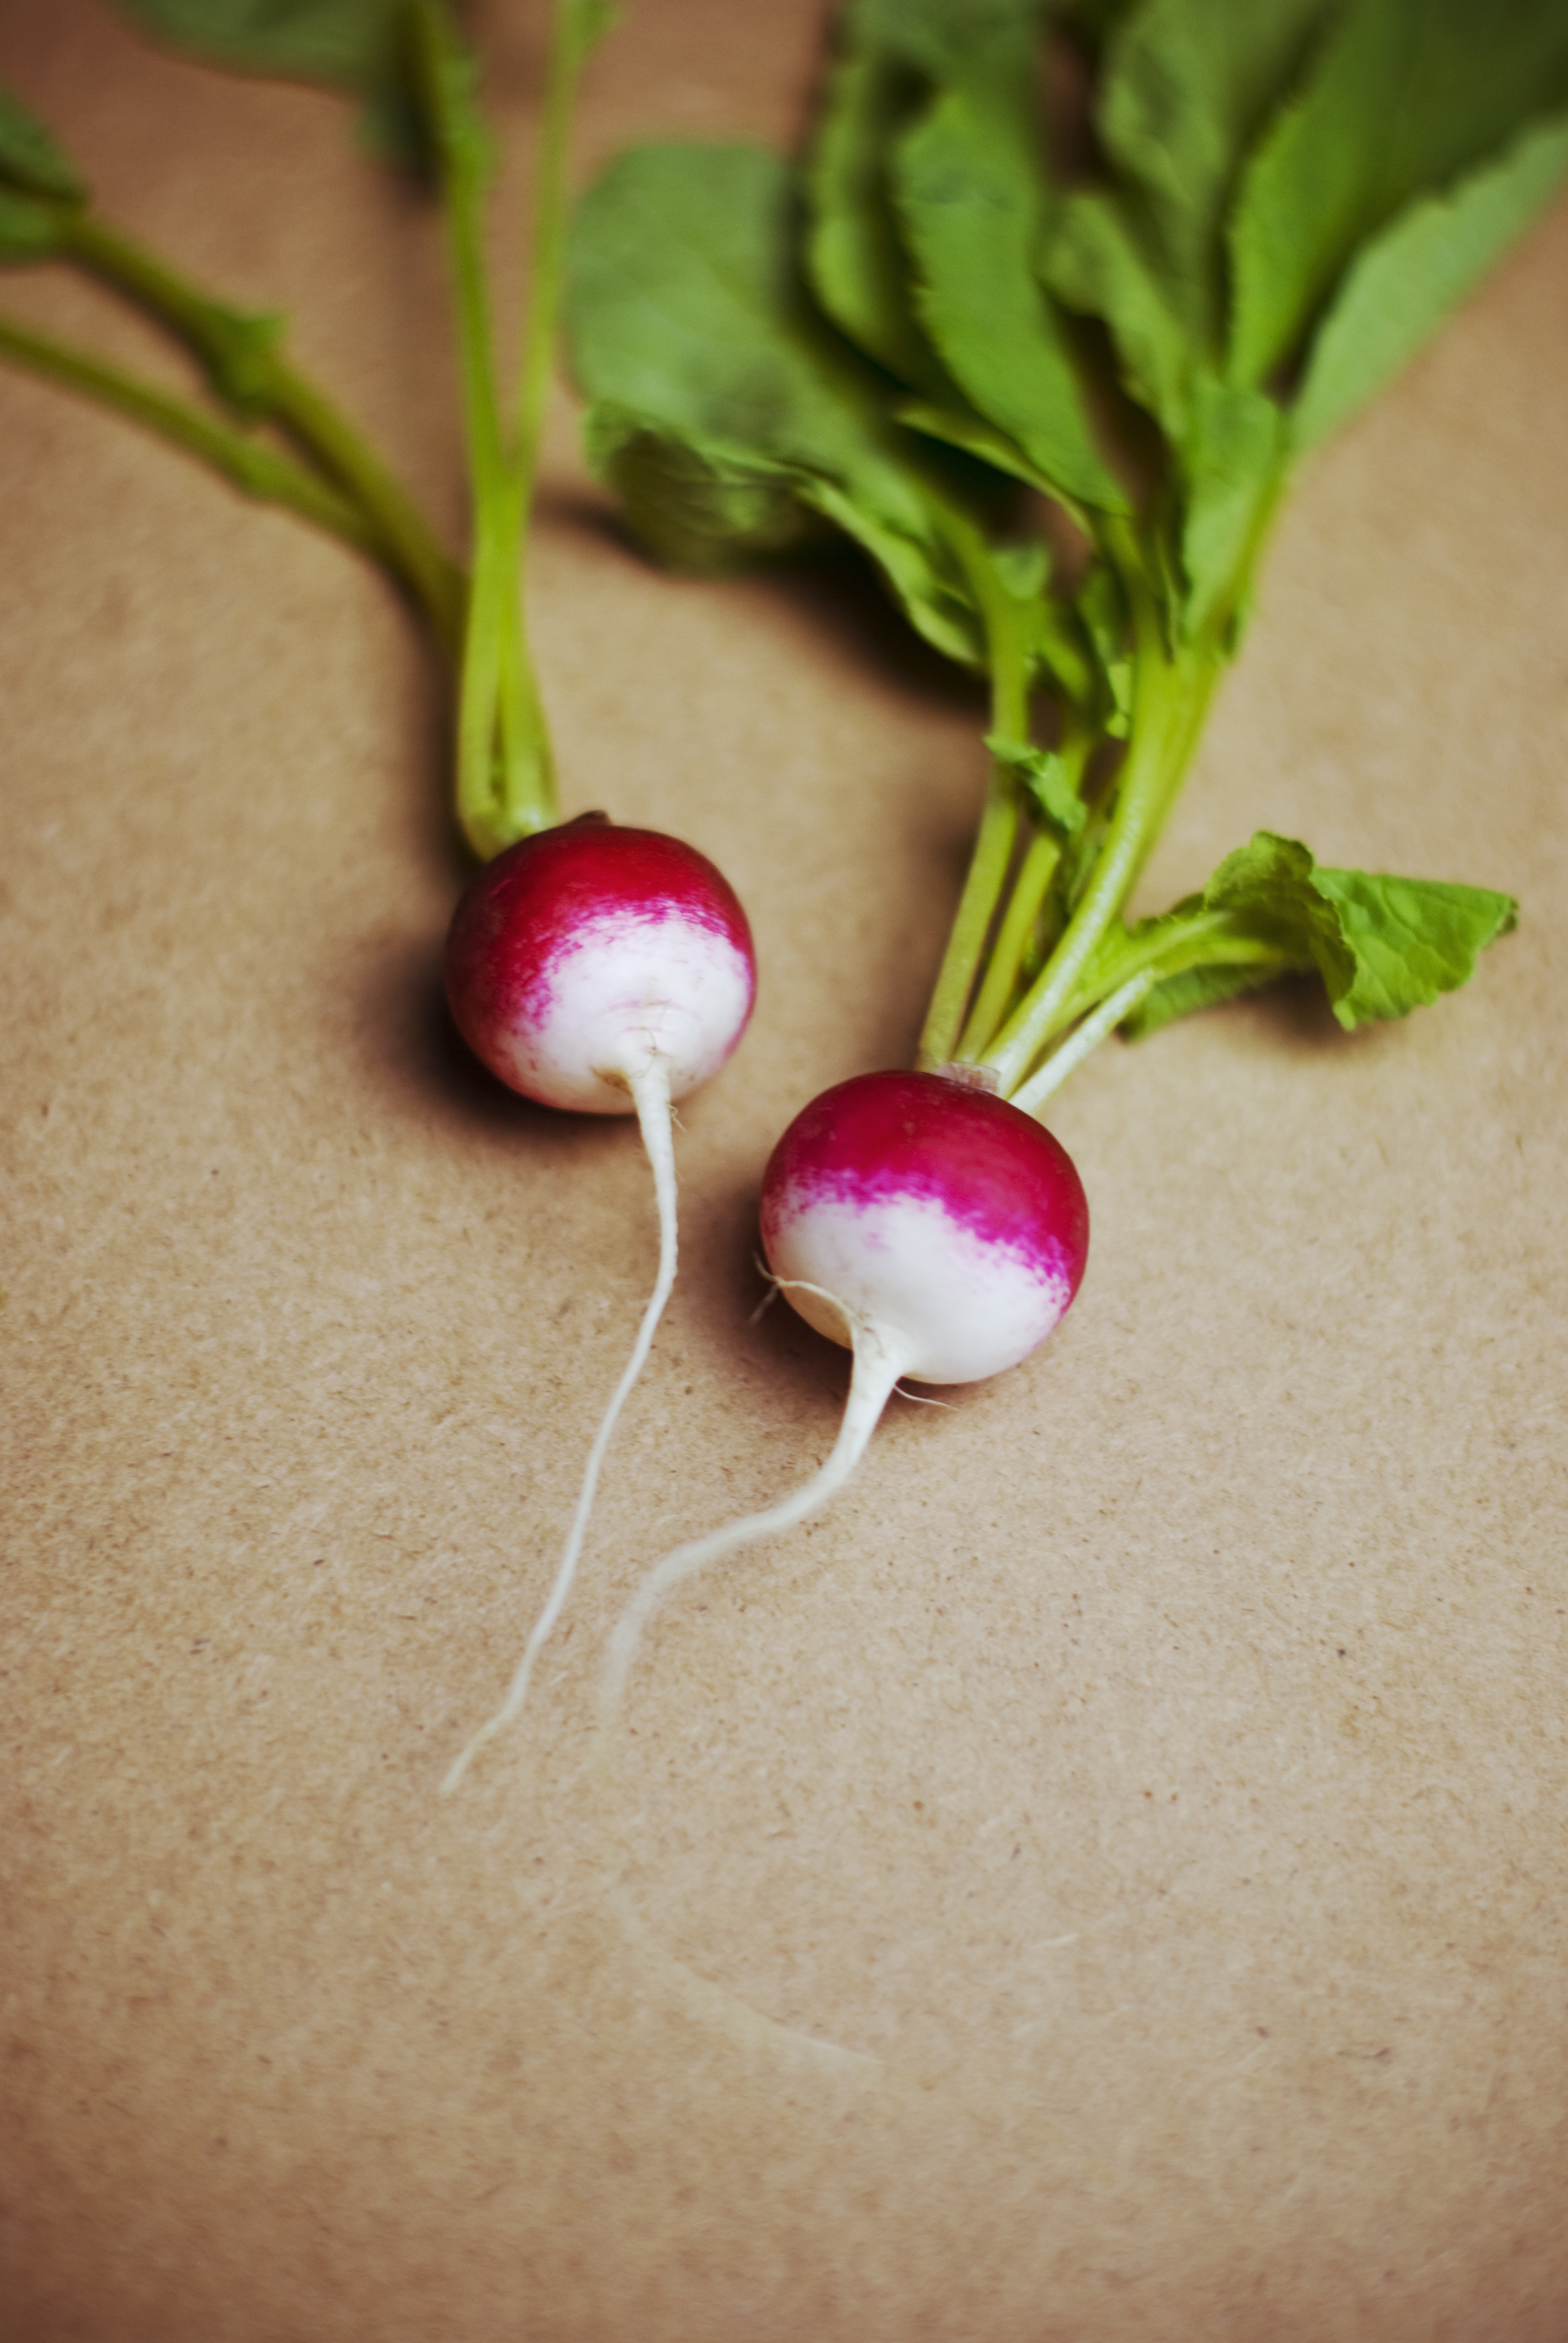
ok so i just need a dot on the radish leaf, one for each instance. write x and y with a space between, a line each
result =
926 204
697 505
1403 283
344 43
1382 945
1406 97
857 264
1099 263
1408 939
682 307
1233 458
718 395
1044 774
1194 989
1185 87
973 204
1288 197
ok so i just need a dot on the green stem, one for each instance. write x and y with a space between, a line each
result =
1172 947
1030 889
1008 657
573 33
506 786
244 367
574 30
250 464
1171 695
1081 1043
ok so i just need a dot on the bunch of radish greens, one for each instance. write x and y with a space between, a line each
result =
1043 321
938 314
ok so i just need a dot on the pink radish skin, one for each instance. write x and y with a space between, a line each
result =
937 1231
939 1215
608 971
586 954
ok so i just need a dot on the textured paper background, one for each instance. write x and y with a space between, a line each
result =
1152 1776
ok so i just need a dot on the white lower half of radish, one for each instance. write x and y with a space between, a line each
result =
626 994
957 1306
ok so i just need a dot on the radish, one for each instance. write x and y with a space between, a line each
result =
935 1231
592 966
607 971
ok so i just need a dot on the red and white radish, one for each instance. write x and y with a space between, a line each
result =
591 959
937 1230
935 1214
608 971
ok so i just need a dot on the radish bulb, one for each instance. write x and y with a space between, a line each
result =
935 1230
608 971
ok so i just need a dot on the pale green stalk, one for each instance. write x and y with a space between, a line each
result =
505 784
1171 696
992 858
1029 889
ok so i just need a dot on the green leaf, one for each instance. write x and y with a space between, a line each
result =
1023 570
1187 84
1383 946
1403 283
937 39
905 187
1411 938
854 258
1184 87
32 159
682 306
1232 463
1058 807
888 61
1406 97
683 312
342 43
959 427
932 596
1099 263
695 508
1185 995
972 201
28 231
